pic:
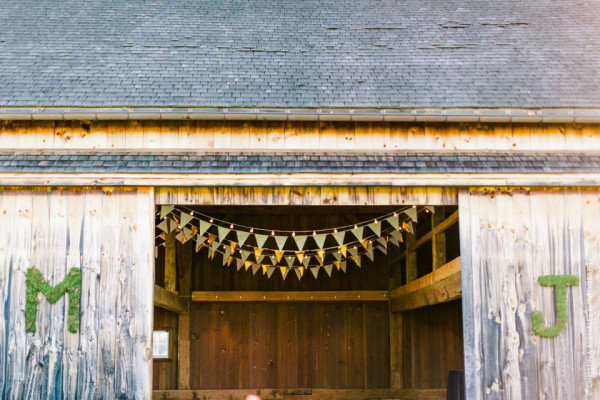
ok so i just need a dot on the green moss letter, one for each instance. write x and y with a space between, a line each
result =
35 283
560 283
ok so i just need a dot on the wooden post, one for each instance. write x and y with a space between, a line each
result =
183 321
411 258
438 241
170 262
396 350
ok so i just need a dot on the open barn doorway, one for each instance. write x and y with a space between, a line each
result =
379 318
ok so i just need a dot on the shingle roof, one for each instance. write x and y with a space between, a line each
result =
297 162
291 53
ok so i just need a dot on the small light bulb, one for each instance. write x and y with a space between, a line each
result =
355 226
335 230
395 214
314 233
212 220
414 206
294 234
191 213
272 233
231 226
251 230
426 210
376 221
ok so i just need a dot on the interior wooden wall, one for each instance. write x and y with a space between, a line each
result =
164 371
289 345
296 135
432 345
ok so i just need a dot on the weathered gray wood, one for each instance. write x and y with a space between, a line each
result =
508 239
110 237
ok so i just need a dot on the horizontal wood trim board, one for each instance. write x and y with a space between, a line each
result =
168 300
382 179
296 394
306 296
440 286
443 226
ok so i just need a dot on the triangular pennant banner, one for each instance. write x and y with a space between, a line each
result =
412 213
279 255
284 272
359 232
337 255
265 268
328 269
247 264
395 237
233 246
213 248
365 243
299 272
306 261
356 261
257 252
204 226
180 237
164 225
185 219
239 264
431 208
337 265
229 261
200 242
321 255
211 239
300 240
226 254
343 265
393 221
245 254
376 228
165 210
223 232
290 260
273 260
353 251
270 271
300 256
315 271
369 252
320 239
339 237
255 267
280 240
242 236
343 249
382 245
261 239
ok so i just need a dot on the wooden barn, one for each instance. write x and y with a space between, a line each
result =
300 199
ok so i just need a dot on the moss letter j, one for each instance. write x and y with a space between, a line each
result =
560 283
35 283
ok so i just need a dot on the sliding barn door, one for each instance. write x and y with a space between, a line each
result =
509 238
48 238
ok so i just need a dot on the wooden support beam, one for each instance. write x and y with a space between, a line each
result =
183 320
440 286
168 300
440 228
396 361
411 259
170 262
312 394
305 296
438 239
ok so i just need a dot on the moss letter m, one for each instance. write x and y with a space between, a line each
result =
35 283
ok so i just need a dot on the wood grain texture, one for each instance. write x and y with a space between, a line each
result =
286 297
306 135
289 345
509 237
108 235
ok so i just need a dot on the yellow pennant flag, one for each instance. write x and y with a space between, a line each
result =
257 252
365 243
233 246
247 265
279 254
229 260
284 272
211 238
300 255
299 272
337 265
264 269
321 254
343 249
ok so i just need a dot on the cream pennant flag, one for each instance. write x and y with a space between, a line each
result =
279 254
337 255
328 268
412 213
187 233
382 245
260 239
273 259
185 219
339 237
320 239
244 254
343 249
356 260
375 227
155 251
262 258
343 265
164 225
200 242
165 210
226 254
299 272
179 237
290 260
300 241
284 272
393 221
359 232
315 271
431 208
300 256
204 226
353 251
257 252
239 263
321 255
306 261
280 240
213 248
394 237
369 253
247 264
223 232
242 236
233 245
255 267
270 271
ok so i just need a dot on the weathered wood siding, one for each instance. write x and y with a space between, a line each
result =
508 239
109 235
295 135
